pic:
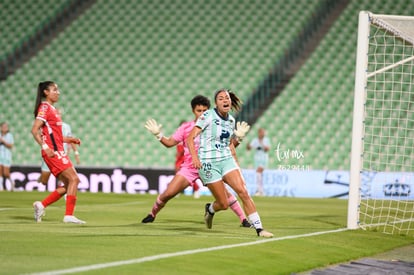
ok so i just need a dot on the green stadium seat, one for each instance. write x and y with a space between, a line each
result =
150 58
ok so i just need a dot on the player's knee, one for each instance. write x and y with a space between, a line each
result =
74 179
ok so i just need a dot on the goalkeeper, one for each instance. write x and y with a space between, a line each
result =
186 175
216 160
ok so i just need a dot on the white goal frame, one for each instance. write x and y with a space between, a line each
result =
366 19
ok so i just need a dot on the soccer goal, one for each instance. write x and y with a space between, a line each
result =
381 192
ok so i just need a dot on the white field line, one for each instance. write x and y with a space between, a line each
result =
176 254
80 206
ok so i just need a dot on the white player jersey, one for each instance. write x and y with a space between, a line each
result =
6 153
66 132
215 136
260 155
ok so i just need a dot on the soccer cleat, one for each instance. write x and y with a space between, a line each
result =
245 223
147 219
72 219
39 211
264 233
208 217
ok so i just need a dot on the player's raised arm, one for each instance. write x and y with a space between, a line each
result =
156 129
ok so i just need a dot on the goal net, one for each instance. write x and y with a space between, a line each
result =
381 194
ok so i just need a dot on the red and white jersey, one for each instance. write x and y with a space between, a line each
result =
52 129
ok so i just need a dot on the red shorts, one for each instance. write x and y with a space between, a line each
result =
58 163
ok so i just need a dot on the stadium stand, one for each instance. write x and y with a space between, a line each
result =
314 112
122 62
19 19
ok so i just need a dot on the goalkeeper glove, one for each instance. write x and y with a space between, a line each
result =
241 130
154 128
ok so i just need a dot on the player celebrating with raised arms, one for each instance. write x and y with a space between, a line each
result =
187 175
47 132
215 157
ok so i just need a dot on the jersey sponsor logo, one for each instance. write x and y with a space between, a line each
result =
224 134
223 137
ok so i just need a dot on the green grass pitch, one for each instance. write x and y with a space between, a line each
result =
115 242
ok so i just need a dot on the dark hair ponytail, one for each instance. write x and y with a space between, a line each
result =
236 102
41 94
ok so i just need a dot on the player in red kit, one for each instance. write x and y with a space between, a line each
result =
47 132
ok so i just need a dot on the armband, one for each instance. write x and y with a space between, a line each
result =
77 153
44 146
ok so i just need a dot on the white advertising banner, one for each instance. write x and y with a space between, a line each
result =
331 184
304 183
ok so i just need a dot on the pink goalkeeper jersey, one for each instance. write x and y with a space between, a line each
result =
181 135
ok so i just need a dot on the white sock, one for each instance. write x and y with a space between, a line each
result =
259 183
1 184
12 184
254 219
211 209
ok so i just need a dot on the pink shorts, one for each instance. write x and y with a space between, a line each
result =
190 173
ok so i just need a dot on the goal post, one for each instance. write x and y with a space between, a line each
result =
381 189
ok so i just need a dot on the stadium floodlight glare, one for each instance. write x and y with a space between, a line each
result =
382 156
